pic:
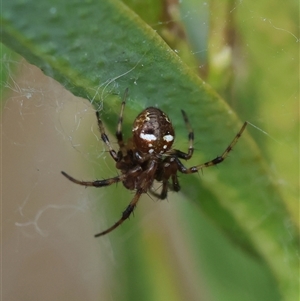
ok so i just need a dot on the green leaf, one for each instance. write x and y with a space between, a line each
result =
97 49
6 69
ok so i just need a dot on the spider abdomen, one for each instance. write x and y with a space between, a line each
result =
153 131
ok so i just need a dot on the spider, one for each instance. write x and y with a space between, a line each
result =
148 156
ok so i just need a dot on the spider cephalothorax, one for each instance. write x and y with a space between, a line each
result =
148 156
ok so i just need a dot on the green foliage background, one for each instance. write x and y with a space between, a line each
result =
223 63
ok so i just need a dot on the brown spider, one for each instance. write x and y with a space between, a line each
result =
148 156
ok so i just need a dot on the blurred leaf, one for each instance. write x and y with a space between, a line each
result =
149 10
99 48
8 58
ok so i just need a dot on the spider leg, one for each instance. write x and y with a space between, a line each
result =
105 138
119 134
165 185
97 183
168 169
190 136
100 183
164 191
190 152
126 213
176 186
216 160
146 179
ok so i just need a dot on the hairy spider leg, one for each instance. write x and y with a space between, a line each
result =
144 186
165 185
125 215
119 133
190 136
164 190
190 152
100 183
97 183
215 161
170 171
175 182
170 168
105 138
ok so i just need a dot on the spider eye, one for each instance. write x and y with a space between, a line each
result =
153 132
